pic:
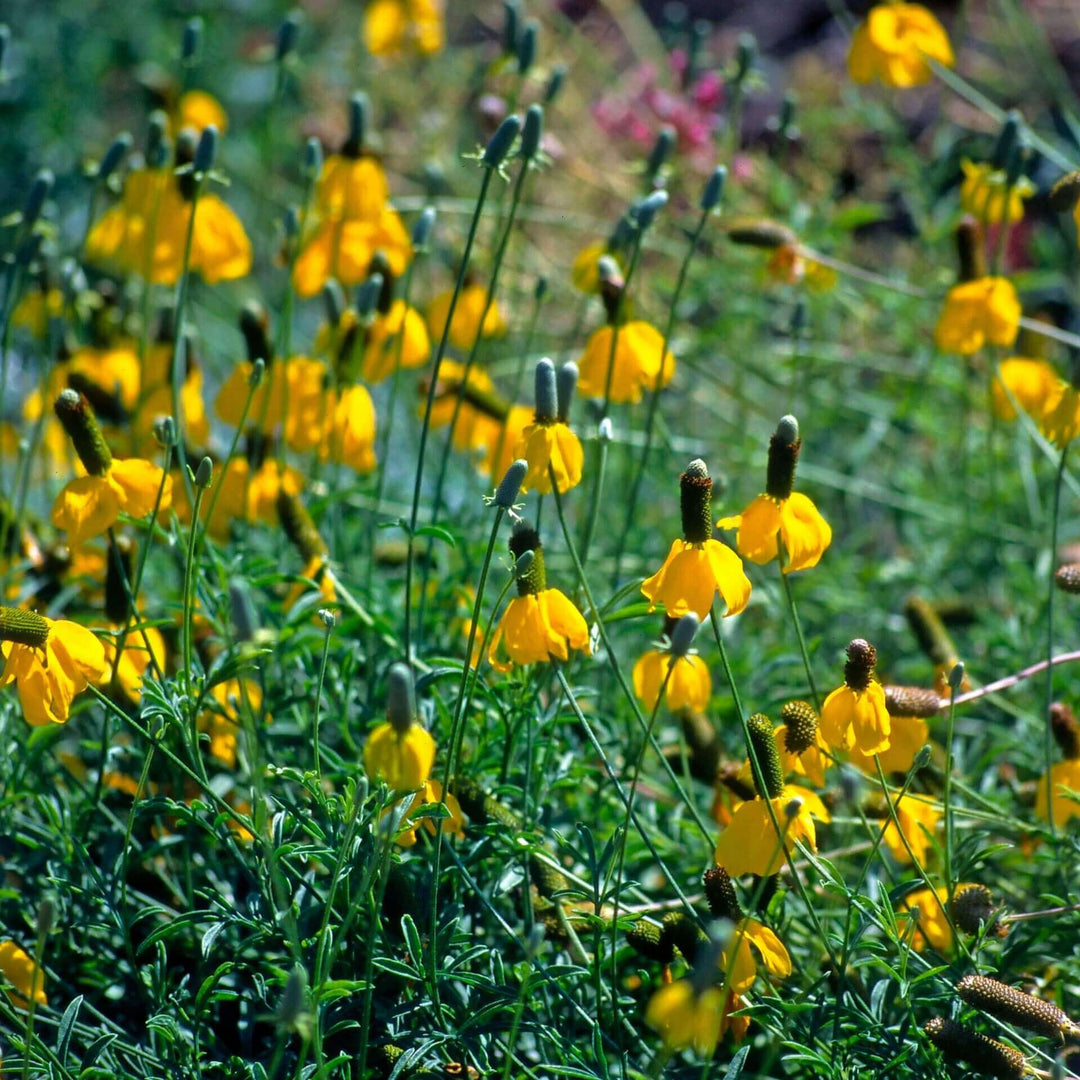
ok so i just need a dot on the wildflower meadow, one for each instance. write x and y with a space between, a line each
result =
539 539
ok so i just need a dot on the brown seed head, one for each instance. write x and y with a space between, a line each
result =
720 894
959 1043
1014 1006
912 701
1066 729
861 659
1067 578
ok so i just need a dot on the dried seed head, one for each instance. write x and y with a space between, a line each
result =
75 414
912 701
859 669
23 627
1066 192
1067 578
685 934
721 896
760 232
972 905
1066 730
969 250
958 1043
299 526
547 878
650 941
1014 1006
695 496
802 725
763 748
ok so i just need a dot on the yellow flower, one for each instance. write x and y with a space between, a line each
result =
933 925
353 188
154 211
749 937
918 819
781 512
393 27
36 308
692 575
979 312
811 762
382 344
314 571
1065 784
349 434
115 370
539 623
639 359
402 758
1035 384
26 979
585 273
430 792
504 438
49 662
89 505
907 736
483 412
749 844
789 266
685 1016
465 326
689 687
697 566
342 248
221 719
893 43
985 193
550 443
854 715
197 109
134 660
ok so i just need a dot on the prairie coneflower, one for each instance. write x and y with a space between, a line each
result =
893 44
539 624
396 27
348 437
798 740
89 505
50 661
781 513
689 686
197 109
697 566
548 444
354 216
1051 401
933 926
981 312
400 750
749 935
919 819
430 792
220 720
987 194
465 327
26 978
640 360
146 232
749 844
400 328
854 715
1063 780
688 1016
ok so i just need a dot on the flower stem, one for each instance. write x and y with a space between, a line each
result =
654 399
425 427
1048 739
946 795
318 700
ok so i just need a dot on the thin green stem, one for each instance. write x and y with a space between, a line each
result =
318 699
425 427
781 558
1048 738
654 398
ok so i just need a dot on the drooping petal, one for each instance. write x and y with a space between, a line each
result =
85 508
758 525
137 483
804 532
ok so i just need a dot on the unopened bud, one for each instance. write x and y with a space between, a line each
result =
206 151
682 634
646 210
35 198
111 159
313 158
793 808
501 142
290 222
524 563
547 402
511 26
661 151
956 677
287 34
532 132
714 189
605 431
157 141
329 619
242 609
540 289
555 83
526 50
192 40
421 234
359 107
204 473
165 431
745 53
333 297
400 698
507 492
258 369
367 296
922 758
